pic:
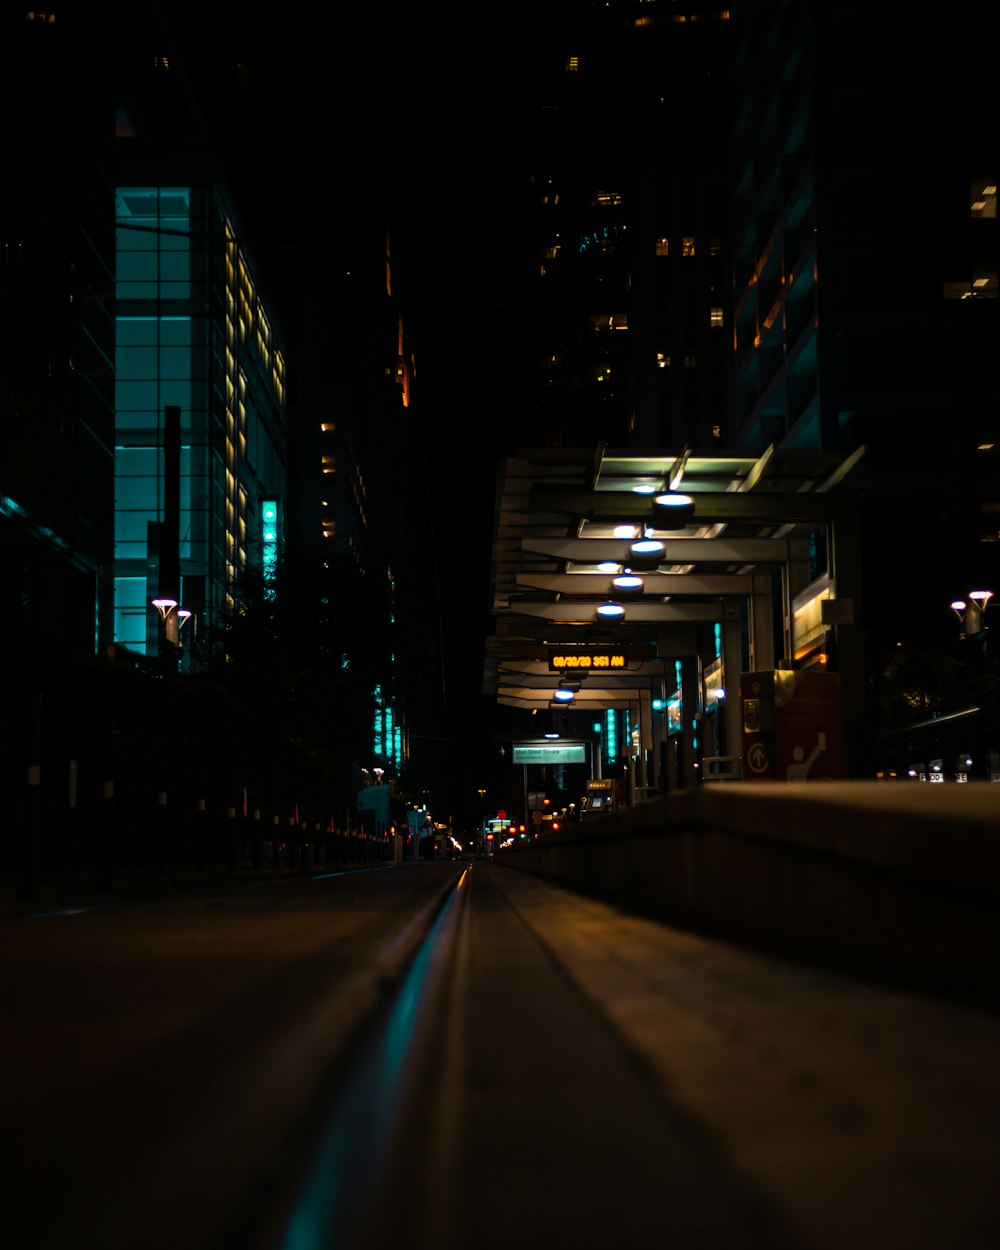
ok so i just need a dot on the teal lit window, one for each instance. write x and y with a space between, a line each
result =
379 723
131 613
269 538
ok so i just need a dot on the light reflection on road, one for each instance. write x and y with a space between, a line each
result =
357 1140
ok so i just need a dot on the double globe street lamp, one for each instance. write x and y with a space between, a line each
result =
173 618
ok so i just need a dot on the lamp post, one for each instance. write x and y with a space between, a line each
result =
971 611
173 618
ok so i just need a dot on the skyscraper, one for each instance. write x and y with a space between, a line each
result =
57 340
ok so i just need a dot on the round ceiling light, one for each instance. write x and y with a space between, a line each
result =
627 586
645 554
673 510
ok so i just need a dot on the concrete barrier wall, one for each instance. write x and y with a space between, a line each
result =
899 877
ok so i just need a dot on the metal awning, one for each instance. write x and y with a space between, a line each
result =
563 522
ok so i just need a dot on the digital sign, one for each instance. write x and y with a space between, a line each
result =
587 660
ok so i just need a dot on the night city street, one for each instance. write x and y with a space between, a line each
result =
499 549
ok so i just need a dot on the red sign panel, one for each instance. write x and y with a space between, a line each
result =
792 726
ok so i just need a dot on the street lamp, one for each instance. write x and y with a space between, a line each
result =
971 613
174 618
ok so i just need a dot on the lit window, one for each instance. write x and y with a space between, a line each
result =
687 247
982 286
716 317
663 246
607 199
716 432
572 65
609 321
662 361
984 198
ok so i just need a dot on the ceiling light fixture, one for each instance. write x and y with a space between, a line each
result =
627 586
646 553
673 510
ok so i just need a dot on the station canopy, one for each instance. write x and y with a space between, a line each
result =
564 523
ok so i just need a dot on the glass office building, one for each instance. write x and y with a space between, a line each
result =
193 334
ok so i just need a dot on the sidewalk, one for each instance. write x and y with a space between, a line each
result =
868 1117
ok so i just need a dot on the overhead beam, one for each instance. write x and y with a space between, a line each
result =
640 613
679 550
596 584
762 506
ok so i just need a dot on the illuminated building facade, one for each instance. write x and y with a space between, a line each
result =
192 333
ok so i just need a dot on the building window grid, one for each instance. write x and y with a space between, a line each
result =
232 300
170 378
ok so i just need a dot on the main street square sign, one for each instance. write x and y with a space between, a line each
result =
550 753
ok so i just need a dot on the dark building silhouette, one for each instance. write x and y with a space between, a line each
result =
632 306
57 353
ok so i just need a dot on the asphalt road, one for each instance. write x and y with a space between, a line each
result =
296 1065
159 1055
